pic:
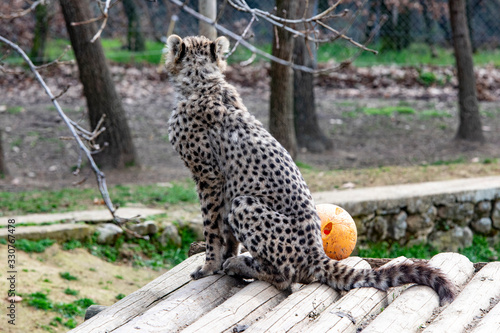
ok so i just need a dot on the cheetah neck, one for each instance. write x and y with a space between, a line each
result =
198 82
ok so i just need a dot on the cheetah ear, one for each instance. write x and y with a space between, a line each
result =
219 47
177 47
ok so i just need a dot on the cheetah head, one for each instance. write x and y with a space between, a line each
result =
196 53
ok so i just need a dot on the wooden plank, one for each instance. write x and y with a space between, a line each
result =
416 304
474 297
144 298
246 306
350 311
185 305
301 305
490 323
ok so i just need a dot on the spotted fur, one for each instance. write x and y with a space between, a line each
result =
250 189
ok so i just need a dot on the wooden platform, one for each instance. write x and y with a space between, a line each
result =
219 303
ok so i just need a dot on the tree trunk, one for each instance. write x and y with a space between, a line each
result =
37 54
3 168
307 130
429 21
281 123
388 30
99 88
208 8
135 39
469 12
470 121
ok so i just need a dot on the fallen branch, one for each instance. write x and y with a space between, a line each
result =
77 133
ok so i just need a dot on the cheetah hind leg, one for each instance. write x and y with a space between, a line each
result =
231 246
247 267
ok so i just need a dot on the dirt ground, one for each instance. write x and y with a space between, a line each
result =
36 157
97 279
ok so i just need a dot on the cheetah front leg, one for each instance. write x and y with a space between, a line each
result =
211 200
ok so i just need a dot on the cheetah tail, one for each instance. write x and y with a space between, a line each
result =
342 277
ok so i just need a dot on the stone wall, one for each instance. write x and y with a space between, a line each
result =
444 214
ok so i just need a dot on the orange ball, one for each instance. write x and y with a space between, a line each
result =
338 231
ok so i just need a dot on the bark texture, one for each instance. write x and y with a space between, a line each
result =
281 123
470 122
307 129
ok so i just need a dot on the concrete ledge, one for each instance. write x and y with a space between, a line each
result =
59 232
445 214
484 187
95 216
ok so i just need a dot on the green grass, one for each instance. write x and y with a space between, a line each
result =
145 253
479 251
72 292
67 276
79 199
77 308
243 54
115 51
416 54
427 114
304 166
459 160
113 48
72 244
15 109
120 296
427 78
402 108
386 250
34 246
388 110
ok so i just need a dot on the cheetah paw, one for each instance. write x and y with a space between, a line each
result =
200 272
230 266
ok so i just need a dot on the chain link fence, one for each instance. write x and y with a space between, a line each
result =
425 21
389 25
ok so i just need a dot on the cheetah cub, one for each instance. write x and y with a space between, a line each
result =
251 191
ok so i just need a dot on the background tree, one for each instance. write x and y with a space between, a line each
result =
396 32
281 124
42 18
428 21
3 168
98 87
208 8
470 122
135 39
307 130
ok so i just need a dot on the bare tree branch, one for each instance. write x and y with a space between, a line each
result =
77 132
22 12
243 35
105 14
277 21
238 38
241 5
